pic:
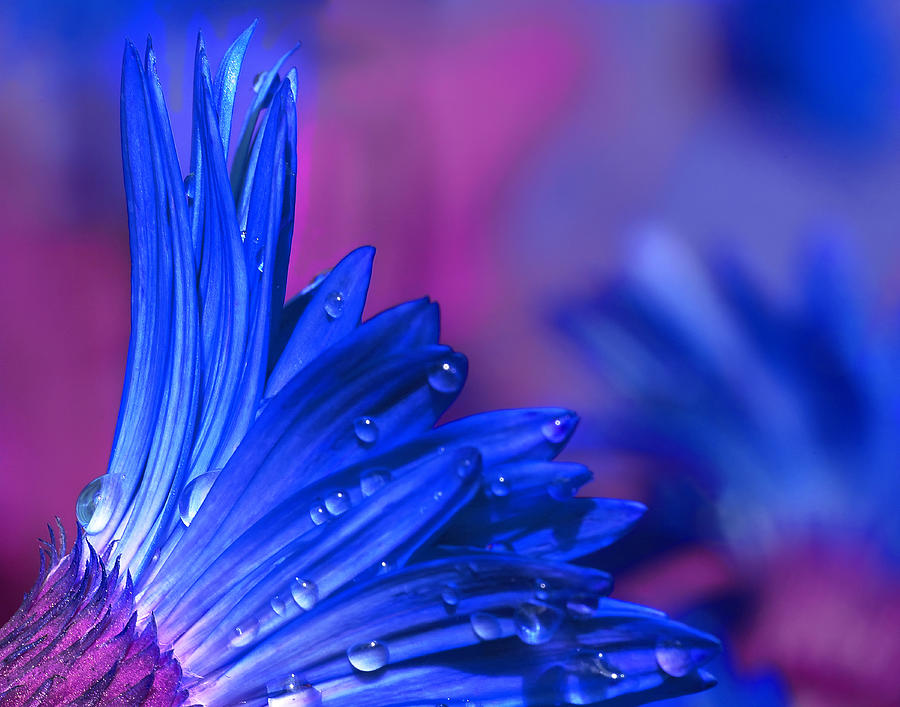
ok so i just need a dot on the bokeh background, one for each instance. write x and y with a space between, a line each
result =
506 158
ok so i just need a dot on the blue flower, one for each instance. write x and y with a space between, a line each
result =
281 521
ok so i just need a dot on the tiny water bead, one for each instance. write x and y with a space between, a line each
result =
302 695
366 430
334 305
305 593
318 512
541 590
245 634
486 626
368 657
536 623
446 377
500 486
338 502
450 597
558 429
589 661
96 502
278 605
467 462
373 480
194 494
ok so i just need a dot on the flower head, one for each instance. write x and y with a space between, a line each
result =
281 521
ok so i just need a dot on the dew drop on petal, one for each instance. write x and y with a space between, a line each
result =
96 502
486 626
373 480
245 634
305 593
367 657
450 596
674 657
536 623
500 486
294 693
334 305
445 377
318 512
337 502
194 494
563 488
467 462
277 604
366 430
541 590
558 429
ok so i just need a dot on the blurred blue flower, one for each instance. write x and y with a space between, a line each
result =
281 523
787 409
782 415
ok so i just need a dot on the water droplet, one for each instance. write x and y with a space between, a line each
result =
244 635
559 429
194 494
486 626
541 590
677 658
243 236
366 430
450 597
468 461
189 187
96 502
277 604
258 81
372 481
368 657
294 693
500 486
260 260
536 623
319 513
563 488
305 593
338 502
334 304
385 566
446 377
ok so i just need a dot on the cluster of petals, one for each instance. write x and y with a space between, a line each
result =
284 520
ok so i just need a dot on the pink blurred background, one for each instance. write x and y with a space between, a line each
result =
499 155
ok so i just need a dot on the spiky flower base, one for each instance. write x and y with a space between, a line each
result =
76 639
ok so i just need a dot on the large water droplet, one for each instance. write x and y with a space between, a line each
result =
305 593
245 634
194 494
334 305
318 512
536 623
338 502
445 377
486 626
368 657
677 658
366 430
372 481
96 502
558 429
294 693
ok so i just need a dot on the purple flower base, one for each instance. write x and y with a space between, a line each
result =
75 640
